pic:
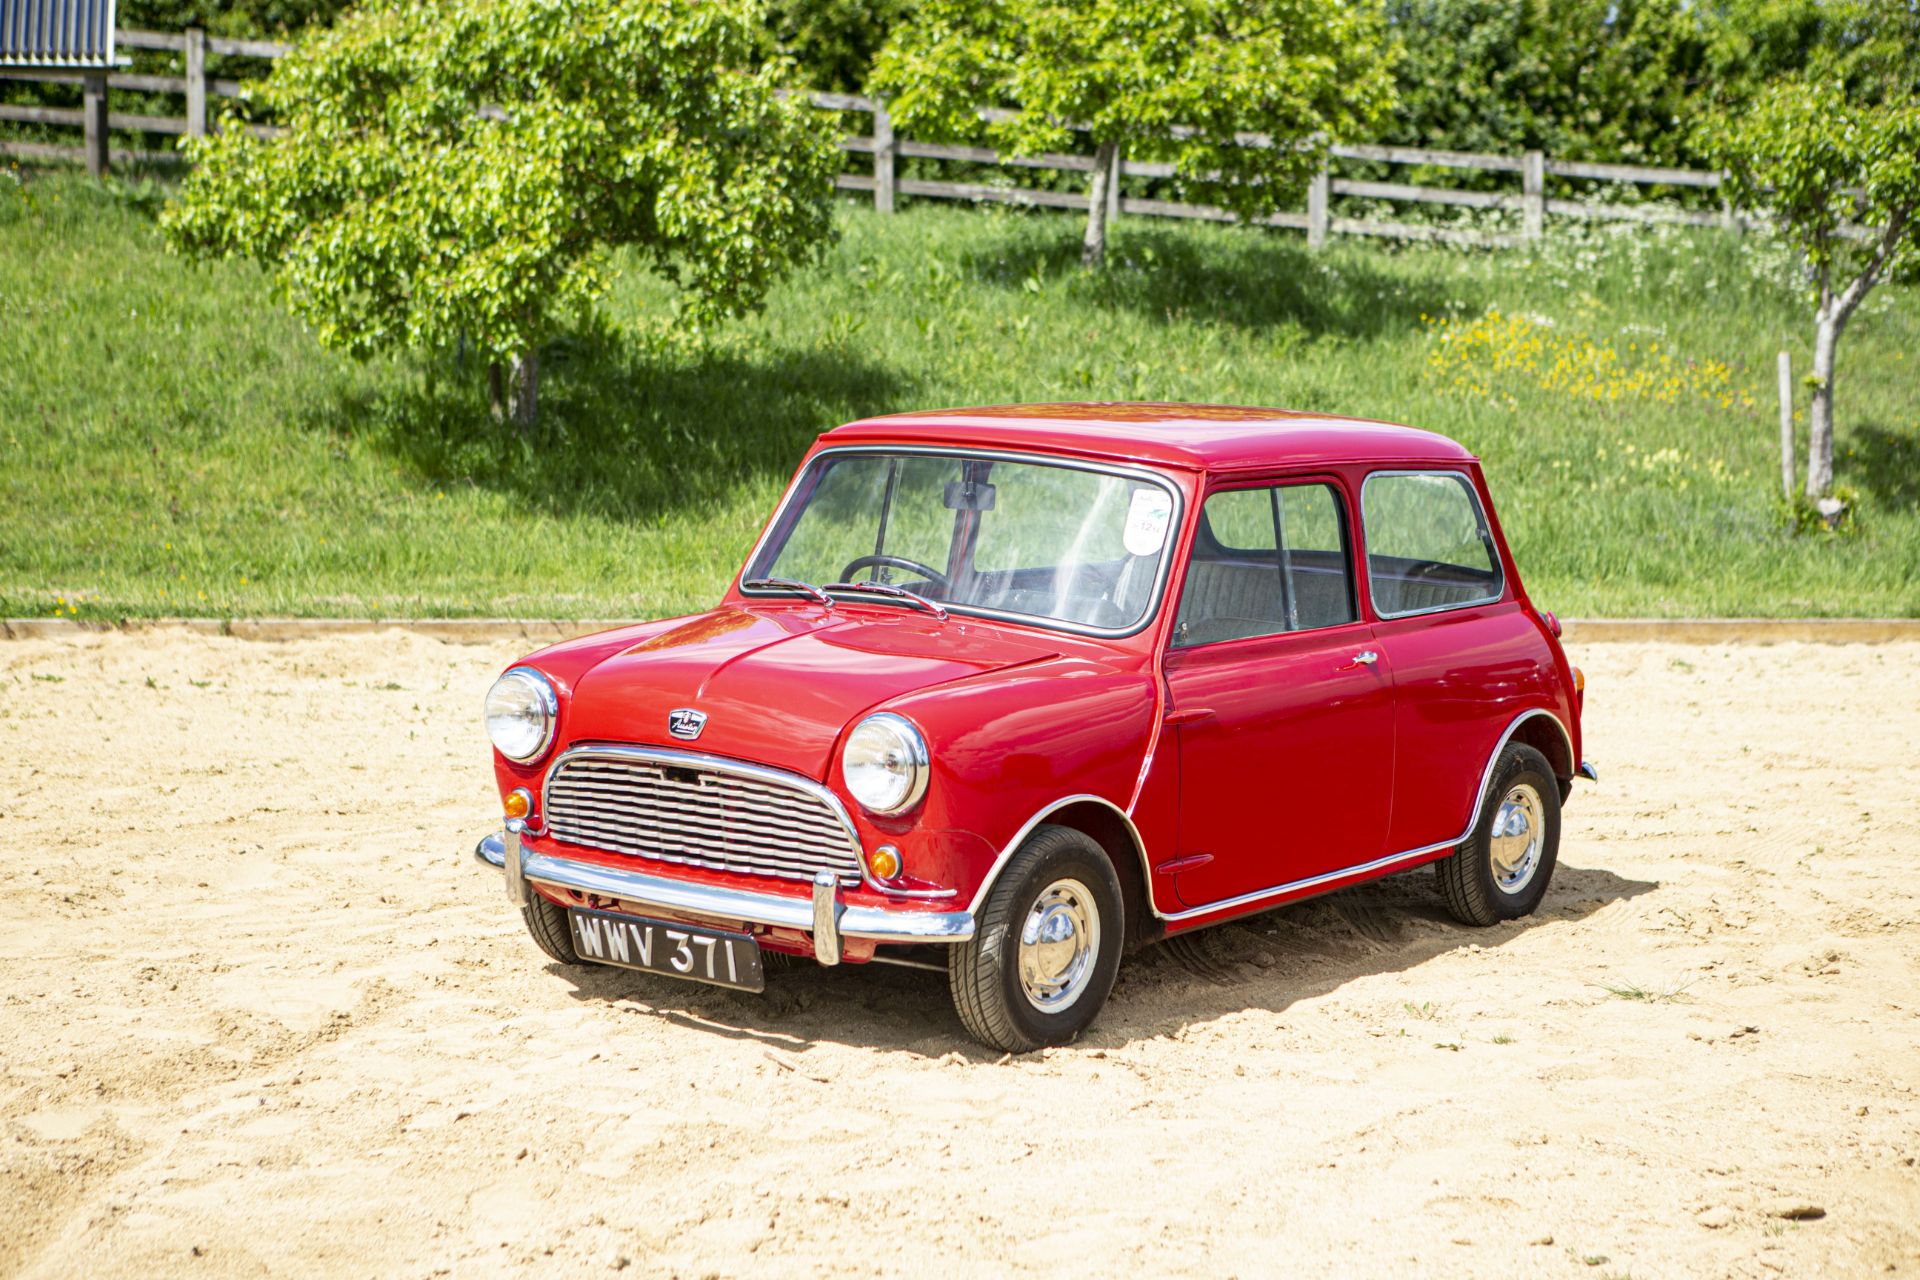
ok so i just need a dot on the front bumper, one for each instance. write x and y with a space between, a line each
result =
823 914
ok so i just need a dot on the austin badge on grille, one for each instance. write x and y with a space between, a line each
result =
685 722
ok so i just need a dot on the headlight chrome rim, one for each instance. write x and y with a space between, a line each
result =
913 751
546 698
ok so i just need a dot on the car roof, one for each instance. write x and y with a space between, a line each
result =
1207 437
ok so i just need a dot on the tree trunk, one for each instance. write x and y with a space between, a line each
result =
1835 310
524 389
1820 417
496 391
1093 251
513 389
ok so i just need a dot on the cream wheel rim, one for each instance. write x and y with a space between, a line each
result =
1517 831
1059 943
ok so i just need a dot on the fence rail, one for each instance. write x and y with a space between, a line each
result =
886 150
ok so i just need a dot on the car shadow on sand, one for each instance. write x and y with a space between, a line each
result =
1269 961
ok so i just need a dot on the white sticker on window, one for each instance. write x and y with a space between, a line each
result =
1147 518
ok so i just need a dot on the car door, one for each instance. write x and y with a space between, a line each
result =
1466 658
1281 704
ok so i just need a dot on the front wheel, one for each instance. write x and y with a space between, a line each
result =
547 922
1047 945
1501 871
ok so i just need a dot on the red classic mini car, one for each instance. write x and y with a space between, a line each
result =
1014 691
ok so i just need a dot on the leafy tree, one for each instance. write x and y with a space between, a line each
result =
833 42
1871 46
1167 80
239 19
1609 80
1819 161
1581 79
461 173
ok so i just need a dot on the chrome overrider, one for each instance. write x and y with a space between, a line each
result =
823 914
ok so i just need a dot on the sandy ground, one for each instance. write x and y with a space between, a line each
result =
260 1013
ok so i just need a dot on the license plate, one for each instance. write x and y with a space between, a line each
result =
677 950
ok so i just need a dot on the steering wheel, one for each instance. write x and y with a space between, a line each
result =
926 571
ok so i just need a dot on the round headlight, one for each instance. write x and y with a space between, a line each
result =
885 763
521 709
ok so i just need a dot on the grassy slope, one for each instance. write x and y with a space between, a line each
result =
174 443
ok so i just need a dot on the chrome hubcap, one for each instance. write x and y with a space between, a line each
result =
1516 838
1058 942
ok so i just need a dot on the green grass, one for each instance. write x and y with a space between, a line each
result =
1652 995
175 444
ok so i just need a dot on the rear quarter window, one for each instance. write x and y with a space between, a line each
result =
1428 544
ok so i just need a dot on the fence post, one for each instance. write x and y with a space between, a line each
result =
1113 187
1786 425
94 119
196 83
1533 189
1317 193
883 156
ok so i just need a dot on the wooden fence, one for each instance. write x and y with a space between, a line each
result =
95 119
886 150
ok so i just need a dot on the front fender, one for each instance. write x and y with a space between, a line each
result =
1005 746
564 664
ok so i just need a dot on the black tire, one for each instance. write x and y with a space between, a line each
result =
1469 878
547 922
983 973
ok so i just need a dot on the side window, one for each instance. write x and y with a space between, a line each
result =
1427 543
1267 561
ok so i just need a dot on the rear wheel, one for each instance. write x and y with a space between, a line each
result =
1502 870
547 922
1046 947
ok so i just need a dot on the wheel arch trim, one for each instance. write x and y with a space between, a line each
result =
1019 837
1486 774
1573 762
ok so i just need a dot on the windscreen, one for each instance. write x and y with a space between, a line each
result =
1052 542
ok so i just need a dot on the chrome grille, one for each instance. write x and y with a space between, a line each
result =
680 807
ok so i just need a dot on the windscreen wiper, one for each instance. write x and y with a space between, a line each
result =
897 593
806 589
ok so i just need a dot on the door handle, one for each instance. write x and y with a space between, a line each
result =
1188 716
1364 658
